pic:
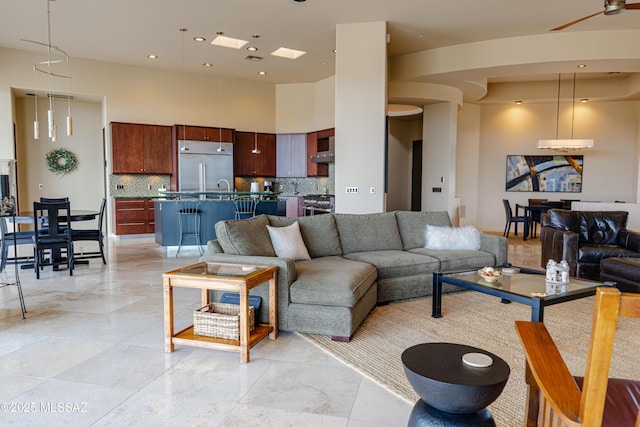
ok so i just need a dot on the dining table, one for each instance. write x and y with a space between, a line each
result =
536 210
530 211
76 215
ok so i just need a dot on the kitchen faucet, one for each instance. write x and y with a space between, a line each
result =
228 186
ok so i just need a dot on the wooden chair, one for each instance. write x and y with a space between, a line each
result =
555 397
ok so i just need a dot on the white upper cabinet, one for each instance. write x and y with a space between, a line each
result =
291 155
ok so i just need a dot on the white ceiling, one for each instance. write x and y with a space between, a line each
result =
126 31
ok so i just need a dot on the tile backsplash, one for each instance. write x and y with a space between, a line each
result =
291 186
137 185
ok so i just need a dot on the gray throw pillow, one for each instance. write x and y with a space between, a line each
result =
245 236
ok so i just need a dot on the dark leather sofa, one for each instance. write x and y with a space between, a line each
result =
584 238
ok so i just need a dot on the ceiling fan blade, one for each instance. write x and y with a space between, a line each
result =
562 27
631 6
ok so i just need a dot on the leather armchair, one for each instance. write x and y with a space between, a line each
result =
584 238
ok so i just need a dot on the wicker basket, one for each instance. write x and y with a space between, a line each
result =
220 320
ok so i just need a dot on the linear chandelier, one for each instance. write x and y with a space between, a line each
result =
55 55
565 144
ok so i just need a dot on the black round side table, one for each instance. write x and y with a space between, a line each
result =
453 391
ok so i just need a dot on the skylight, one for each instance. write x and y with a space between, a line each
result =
285 52
229 42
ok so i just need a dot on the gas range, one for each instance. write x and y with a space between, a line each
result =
318 203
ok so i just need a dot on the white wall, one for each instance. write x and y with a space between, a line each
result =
439 158
143 95
609 168
402 133
305 107
467 165
85 185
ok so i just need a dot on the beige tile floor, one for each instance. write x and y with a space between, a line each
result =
91 352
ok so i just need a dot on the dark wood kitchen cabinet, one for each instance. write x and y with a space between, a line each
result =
141 149
246 163
134 216
202 133
318 142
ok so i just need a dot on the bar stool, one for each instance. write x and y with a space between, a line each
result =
245 207
188 221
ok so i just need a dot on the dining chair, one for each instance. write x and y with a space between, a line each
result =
13 238
61 228
53 200
52 239
245 206
94 234
511 219
556 397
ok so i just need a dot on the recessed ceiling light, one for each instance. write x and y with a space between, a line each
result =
199 39
229 42
582 65
518 102
207 64
253 58
152 56
262 73
256 36
334 50
285 52
252 48
584 100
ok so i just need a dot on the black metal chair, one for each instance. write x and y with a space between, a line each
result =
12 239
94 235
52 239
511 219
53 200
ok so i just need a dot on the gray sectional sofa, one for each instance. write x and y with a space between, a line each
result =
357 261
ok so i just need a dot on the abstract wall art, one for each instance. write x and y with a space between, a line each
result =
561 174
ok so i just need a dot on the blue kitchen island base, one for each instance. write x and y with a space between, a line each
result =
166 225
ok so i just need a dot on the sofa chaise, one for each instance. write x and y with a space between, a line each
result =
355 261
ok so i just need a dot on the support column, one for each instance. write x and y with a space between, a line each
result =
439 158
361 103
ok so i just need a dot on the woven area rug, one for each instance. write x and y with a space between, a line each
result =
482 321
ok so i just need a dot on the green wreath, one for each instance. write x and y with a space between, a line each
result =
61 161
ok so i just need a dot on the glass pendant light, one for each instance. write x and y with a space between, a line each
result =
565 144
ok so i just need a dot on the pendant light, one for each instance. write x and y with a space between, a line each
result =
184 126
255 132
36 124
220 149
46 67
565 144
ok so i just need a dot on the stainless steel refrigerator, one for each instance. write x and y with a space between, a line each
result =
203 166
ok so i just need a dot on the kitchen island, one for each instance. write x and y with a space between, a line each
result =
218 207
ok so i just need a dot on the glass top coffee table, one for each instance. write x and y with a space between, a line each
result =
526 287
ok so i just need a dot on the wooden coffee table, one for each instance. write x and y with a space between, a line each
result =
238 278
527 287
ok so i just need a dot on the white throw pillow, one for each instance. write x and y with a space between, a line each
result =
287 242
451 238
